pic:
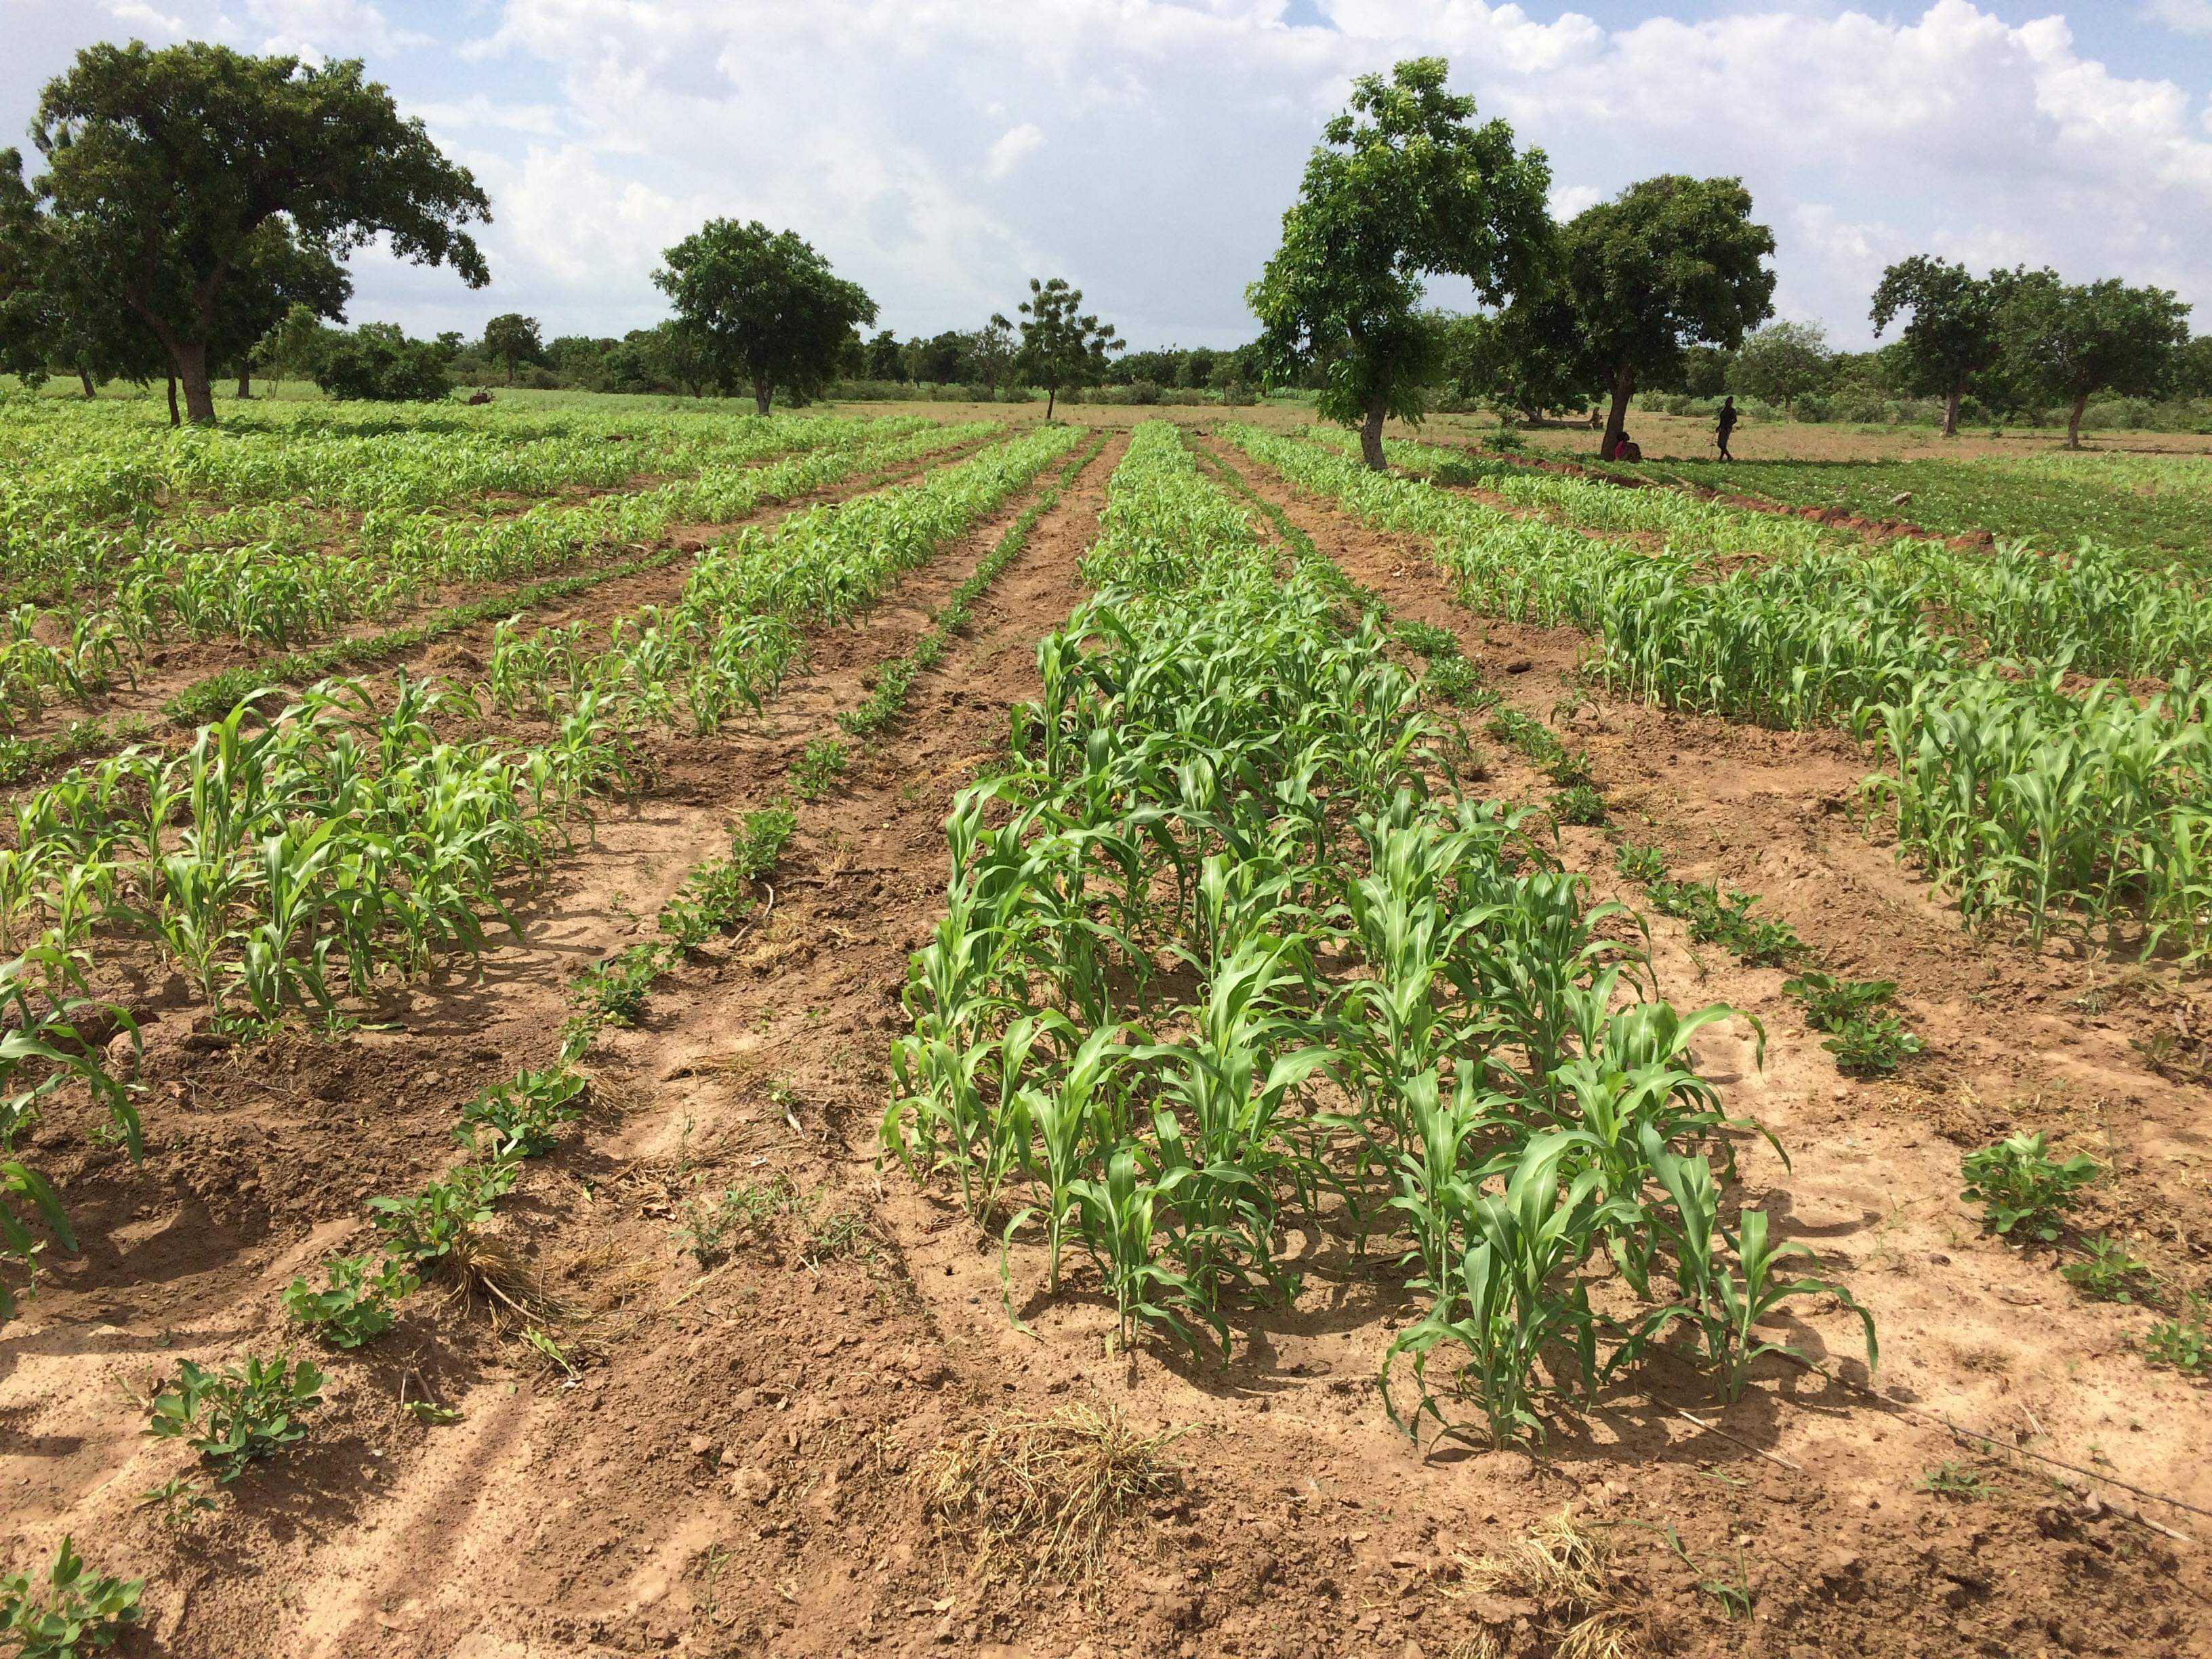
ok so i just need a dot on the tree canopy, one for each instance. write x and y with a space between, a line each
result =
1782 362
1670 263
1952 334
762 307
1402 186
1062 345
511 338
162 166
1523 360
2069 343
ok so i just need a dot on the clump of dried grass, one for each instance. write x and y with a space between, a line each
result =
489 1276
1037 1497
1568 1572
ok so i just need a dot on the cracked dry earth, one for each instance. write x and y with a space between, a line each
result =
727 1460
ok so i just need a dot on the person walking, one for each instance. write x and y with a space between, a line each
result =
1725 426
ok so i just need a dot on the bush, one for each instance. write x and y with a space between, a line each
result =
377 363
1144 391
1861 404
2117 414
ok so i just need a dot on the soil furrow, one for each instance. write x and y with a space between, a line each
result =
261 1155
1969 1324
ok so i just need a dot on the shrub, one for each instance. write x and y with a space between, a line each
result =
377 363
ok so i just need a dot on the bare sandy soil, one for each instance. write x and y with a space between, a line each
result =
730 1458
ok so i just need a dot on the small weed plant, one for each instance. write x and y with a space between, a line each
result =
1956 1482
757 846
2022 1189
442 1221
819 768
238 1414
74 1612
2185 1343
1580 804
2110 1272
522 1118
359 1304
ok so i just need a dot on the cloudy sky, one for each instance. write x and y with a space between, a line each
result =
942 151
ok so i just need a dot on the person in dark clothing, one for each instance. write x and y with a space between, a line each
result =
1725 427
1625 449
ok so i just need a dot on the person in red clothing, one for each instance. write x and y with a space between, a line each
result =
1627 449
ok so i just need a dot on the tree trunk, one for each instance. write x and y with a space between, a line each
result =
2074 422
760 397
85 380
192 376
1051 396
1951 411
1371 431
510 370
1616 419
174 420
245 385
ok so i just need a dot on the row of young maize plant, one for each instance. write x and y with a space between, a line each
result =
731 635
289 855
59 541
262 595
1689 526
1219 963
96 469
2034 800
2094 611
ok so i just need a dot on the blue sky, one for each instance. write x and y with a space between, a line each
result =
941 152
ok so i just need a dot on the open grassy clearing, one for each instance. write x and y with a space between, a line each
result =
2057 501
1275 1025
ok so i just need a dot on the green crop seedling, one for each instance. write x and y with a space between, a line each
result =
239 1413
2022 1189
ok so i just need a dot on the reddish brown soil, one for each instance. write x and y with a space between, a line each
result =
730 1469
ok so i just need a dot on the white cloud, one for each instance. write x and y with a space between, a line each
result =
906 138
136 14
329 29
1013 144
2189 17
1568 200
